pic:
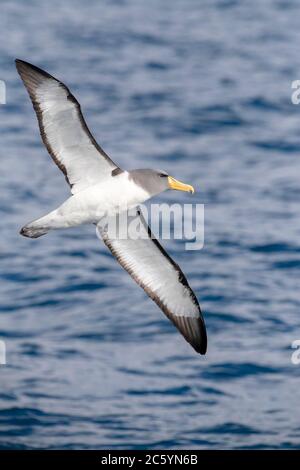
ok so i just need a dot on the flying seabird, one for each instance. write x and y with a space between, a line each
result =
99 186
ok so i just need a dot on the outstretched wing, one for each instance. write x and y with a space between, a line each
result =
161 278
63 129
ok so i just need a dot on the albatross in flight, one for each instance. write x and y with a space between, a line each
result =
97 182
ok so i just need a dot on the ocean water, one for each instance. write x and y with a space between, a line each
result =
202 90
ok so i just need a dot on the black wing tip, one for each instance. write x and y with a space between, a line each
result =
204 338
202 348
23 66
193 330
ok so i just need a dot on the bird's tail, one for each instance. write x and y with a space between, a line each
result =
32 231
37 228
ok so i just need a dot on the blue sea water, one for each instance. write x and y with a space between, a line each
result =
202 90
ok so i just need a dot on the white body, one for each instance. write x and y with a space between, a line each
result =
109 197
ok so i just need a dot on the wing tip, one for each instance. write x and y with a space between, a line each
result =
23 64
202 347
200 344
193 330
24 67
20 65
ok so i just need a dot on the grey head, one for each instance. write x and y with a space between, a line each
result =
157 181
152 181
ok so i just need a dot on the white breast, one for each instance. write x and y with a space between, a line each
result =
109 197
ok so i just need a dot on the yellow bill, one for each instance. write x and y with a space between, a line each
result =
175 184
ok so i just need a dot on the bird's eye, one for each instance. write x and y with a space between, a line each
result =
163 175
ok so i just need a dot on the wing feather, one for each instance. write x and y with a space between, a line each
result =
161 278
63 129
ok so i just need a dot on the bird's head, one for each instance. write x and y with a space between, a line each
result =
157 181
